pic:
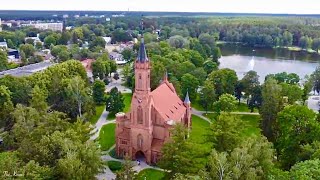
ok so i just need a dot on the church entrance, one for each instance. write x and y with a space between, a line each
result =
140 156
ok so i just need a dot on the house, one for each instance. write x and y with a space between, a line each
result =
14 52
27 70
117 57
141 133
3 45
35 40
87 64
107 40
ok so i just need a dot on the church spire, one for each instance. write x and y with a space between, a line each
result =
142 54
165 77
186 99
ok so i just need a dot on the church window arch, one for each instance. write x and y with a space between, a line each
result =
140 141
139 115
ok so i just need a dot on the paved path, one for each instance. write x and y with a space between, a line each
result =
101 122
118 83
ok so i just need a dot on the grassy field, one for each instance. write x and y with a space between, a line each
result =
114 165
99 110
251 123
242 107
107 136
127 104
150 174
200 128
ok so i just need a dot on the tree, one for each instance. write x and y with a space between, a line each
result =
39 99
50 40
226 103
65 37
238 89
307 88
23 58
225 133
316 44
28 49
98 92
252 159
224 81
63 55
38 45
271 105
178 154
189 83
287 38
126 172
6 107
157 73
100 69
207 95
207 39
292 92
78 91
216 55
249 82
3 60
178 42
128 54
305 42
210 66
309 169
97 42
114 103
295 126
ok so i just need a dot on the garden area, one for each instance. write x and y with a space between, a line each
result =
242 107
107 136
151 174
127 103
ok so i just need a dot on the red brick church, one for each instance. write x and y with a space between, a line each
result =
142 132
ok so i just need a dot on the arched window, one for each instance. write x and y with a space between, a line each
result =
139 115
139 82
140 141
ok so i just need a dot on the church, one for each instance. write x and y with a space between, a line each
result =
141 133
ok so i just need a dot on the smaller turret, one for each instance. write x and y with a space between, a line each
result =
187 104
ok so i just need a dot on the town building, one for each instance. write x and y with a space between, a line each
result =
141 133
27 70
3 45
45 26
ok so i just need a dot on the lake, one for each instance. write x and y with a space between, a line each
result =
267 60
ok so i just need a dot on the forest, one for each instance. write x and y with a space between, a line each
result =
45 118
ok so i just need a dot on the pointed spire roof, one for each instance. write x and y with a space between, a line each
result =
142 54
187 99
165 77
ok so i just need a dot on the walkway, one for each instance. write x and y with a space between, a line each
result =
118 83
101 122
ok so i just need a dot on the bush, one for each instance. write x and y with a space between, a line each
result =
116 76
114 165
106 81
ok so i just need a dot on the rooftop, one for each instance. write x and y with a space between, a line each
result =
27 70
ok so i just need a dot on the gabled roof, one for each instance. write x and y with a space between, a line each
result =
167 102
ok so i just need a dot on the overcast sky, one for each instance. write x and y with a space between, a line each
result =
237 6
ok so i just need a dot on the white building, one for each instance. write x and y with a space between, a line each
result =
0 25
3 45
45 26
107 40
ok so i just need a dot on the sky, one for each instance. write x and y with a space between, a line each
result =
233 6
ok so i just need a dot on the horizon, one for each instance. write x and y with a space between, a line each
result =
200 6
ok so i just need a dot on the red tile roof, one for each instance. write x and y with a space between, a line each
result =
87 64
167 102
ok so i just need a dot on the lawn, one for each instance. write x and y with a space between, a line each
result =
127 104
200 128
150 174
99 110
107 136
114 165
251 123
242 107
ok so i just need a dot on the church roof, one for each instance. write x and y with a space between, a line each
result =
142 54
167 102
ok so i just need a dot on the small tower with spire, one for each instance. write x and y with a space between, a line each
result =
187 104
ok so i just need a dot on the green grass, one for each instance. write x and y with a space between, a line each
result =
99 110
114 165
242 107
252 124
151 174
107 136
200 128
127 104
